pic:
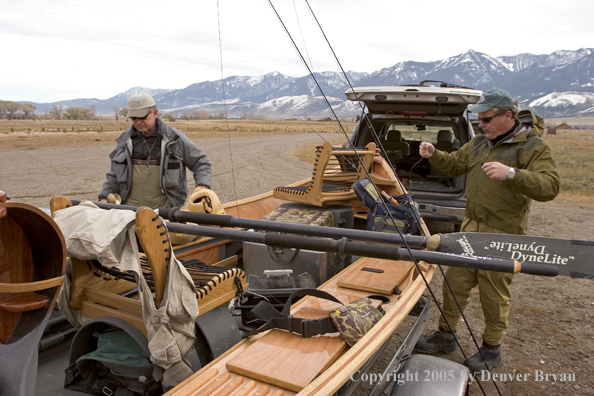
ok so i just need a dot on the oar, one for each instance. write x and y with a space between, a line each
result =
344 247
413 241
572 257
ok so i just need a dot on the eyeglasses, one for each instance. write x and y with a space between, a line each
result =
141 118
486 120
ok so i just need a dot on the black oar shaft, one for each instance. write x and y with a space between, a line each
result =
344 247
412 241
436 242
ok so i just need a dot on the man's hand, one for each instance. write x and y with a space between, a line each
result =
426 150
496 170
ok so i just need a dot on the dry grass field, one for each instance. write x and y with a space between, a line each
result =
579 122
573 156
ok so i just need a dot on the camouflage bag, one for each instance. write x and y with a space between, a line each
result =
354 320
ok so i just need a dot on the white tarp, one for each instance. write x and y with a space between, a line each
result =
108 236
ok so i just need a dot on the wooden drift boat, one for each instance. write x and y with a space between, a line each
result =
282 363
314 227
32 265
278 362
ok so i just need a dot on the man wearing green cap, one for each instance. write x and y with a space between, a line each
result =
508 165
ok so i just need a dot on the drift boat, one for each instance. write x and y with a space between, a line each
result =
32 265
275 265
281 362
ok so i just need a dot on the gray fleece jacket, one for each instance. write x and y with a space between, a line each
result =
177 153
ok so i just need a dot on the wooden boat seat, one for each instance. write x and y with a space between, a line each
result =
96 292
24 302
12 307
377 278
335 171
286 359
153 238
215 285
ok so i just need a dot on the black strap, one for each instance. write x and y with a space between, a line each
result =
284 321
108 386
307 292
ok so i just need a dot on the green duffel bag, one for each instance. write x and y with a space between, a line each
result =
111 357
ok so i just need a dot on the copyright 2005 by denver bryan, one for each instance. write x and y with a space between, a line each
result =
460 375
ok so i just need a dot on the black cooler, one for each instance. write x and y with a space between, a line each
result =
274 273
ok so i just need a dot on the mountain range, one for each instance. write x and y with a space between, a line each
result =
557 84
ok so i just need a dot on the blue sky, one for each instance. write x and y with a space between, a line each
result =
66 49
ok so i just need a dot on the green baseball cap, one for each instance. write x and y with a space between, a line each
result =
493 98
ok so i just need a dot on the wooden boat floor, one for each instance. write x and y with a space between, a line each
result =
282 363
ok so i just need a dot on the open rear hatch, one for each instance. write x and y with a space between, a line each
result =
415 99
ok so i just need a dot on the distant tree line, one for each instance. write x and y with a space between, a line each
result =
59 111
15 111
120 112
204 115
194 115
254 116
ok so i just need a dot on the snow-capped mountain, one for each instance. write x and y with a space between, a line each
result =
558 102
538 81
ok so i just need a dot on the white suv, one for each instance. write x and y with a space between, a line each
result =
399 118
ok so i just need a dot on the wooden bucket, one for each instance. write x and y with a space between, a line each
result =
32 265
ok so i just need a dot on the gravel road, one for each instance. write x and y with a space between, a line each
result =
33 173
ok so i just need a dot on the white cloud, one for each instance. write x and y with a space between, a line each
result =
66 49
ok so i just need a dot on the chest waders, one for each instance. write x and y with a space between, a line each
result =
146 186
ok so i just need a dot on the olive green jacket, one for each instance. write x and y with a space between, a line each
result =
504 205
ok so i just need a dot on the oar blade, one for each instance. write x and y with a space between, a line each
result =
573 257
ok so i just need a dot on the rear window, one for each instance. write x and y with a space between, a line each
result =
417 132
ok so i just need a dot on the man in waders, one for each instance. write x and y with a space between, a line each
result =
508 165
148 166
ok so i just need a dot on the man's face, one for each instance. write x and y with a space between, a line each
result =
495 124
146 126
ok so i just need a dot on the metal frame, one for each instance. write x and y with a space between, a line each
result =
422 311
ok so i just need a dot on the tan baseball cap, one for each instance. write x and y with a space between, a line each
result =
139 104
